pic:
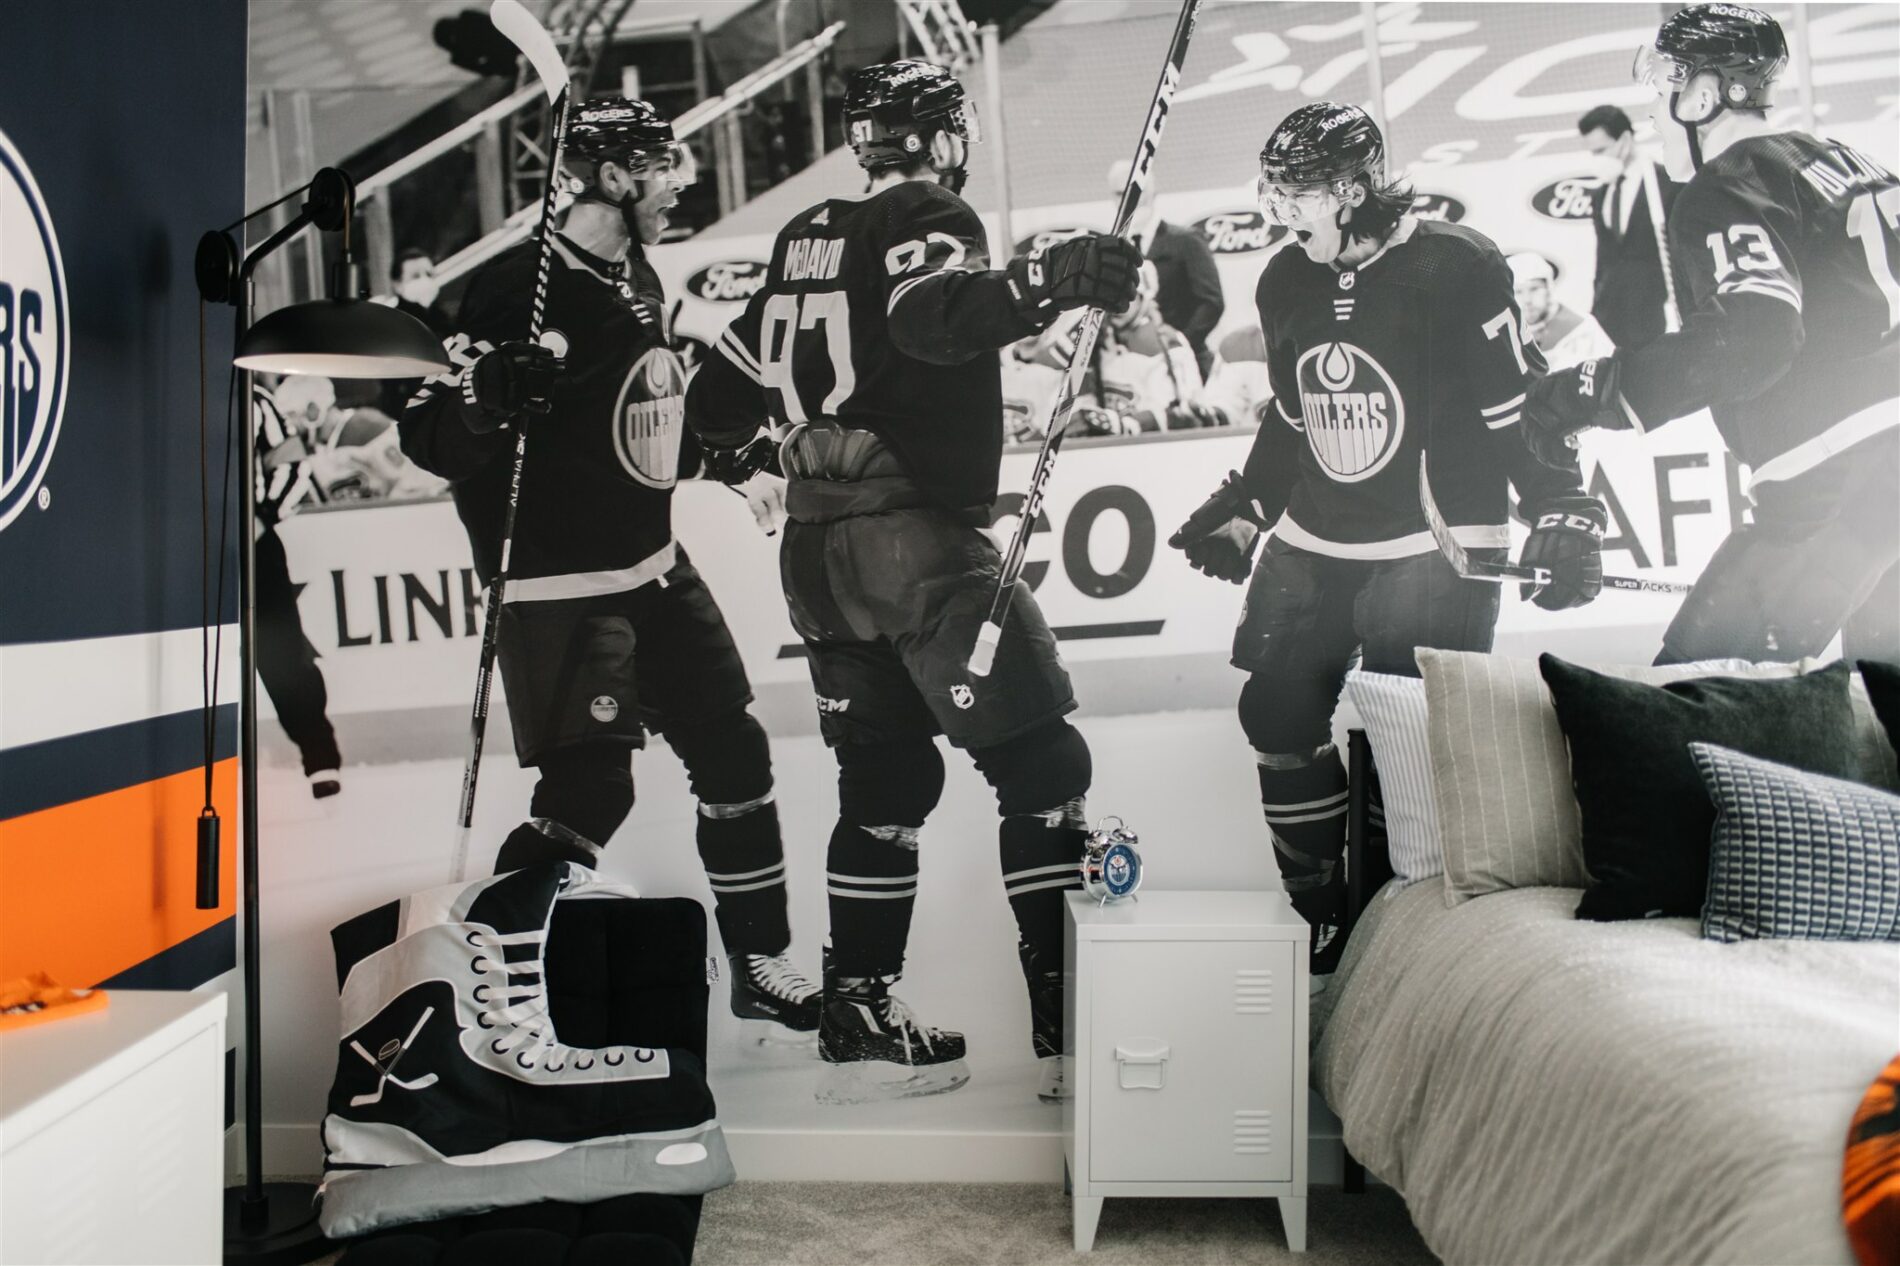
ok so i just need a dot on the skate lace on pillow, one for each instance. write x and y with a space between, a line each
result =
522 1006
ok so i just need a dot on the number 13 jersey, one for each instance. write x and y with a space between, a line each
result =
880 314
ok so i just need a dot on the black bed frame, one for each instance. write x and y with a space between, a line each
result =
1368 866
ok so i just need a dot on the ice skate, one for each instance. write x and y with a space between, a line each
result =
1056 1085
775 1004
876 1049
325 783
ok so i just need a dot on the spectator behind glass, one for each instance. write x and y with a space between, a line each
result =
1190 296
1564 336
415 291
1629 291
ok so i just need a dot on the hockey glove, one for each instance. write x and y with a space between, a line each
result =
1093 420
1569 545
1568 401
1094 270
1188 415
1219 538
514 379
733 466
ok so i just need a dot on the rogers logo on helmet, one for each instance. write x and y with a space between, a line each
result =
1237 232
1438 206
730 281
1566 199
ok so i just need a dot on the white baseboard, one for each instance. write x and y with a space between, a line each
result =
816 1155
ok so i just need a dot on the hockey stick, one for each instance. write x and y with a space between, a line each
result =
1652 197
983 656
528 35
1504 573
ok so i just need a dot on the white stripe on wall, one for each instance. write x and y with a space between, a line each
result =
54 690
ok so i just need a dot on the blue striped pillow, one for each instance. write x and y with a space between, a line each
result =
1797 855
1392 709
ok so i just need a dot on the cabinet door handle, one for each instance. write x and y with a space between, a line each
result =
1143 1064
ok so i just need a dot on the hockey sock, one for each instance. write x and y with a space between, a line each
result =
1303 795
542 840
1042 856
745 863
871 879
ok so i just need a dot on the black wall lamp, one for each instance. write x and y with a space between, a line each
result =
340 336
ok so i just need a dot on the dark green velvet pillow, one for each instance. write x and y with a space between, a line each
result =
1645 813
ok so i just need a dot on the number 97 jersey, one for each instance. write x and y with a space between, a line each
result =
881 314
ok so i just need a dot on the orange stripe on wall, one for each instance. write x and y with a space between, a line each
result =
91 888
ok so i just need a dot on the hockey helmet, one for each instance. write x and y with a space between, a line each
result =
631 133
1311 161
1744 48
1528 267
894 110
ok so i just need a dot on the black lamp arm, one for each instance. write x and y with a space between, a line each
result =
331 205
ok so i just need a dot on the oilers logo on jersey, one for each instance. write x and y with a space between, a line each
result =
35 337
1350 409
649 419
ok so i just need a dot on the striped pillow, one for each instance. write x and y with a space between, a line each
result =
1797 855
1507 816
1392 709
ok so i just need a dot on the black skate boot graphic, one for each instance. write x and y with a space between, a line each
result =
775 1004
877 1050
1046 1025
453 1092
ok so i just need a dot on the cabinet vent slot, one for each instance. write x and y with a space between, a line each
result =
1253 1131
1253 991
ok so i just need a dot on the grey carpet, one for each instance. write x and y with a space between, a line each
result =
1014 1224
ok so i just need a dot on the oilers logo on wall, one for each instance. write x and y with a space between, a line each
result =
651 416
1350 410
34 336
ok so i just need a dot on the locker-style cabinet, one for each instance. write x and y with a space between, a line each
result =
1187 1042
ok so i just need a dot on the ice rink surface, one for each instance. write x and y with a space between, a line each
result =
1183 780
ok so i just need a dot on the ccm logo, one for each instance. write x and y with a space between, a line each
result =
1566 199
730 281
1438 206
1237 232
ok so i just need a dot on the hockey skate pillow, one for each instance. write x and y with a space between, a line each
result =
1392 709
1797 855
1507 817
1645 816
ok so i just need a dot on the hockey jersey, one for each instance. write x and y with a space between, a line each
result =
1416 351
1787 255
1569 338
595 512
1237 382
879 313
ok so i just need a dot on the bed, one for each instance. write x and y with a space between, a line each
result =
1544 1090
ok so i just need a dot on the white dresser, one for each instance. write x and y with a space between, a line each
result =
112 1134
1187 1026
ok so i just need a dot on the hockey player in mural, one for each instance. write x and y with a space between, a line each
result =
1788 263
1387 337
875 337
608 631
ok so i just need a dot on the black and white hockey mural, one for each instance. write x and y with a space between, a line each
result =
1503 358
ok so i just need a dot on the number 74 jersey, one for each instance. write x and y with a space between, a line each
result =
881 314
1785 239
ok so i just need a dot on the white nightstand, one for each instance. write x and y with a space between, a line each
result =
1187 1032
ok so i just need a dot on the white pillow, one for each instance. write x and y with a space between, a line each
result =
1392 709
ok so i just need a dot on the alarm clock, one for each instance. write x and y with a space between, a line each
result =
1111 866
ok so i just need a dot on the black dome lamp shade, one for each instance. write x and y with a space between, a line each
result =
341 338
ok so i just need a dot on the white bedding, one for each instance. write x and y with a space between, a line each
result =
1544 1090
